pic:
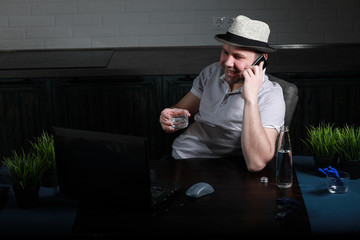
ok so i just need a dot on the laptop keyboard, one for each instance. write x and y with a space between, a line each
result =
159 193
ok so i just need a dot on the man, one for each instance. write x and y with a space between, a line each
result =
238 111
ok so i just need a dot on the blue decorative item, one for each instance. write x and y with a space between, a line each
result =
288 205
333 173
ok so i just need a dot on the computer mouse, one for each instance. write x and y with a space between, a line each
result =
199 190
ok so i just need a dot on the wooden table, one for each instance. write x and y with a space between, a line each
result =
240 205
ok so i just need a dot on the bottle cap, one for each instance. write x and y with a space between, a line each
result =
264 180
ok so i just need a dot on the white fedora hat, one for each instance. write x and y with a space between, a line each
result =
247 33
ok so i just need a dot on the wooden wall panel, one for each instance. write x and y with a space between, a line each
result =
333 98
127 105
25 107
128 99
330 98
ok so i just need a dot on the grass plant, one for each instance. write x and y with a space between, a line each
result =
348 145
43 146
322 140
25 169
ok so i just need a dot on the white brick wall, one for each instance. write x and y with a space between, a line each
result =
54 24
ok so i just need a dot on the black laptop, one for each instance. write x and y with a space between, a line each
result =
105 168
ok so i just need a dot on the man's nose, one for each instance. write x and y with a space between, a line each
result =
229 61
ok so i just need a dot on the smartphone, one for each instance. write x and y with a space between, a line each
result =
259 60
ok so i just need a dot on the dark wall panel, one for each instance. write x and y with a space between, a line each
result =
128 105
121 96
25 109
331 98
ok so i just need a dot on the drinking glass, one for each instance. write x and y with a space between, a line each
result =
336 185
180 121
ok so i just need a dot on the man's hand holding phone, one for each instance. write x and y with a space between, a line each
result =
253 77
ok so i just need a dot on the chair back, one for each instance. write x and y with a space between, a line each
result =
291 97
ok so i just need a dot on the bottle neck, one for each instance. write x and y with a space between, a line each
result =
284 139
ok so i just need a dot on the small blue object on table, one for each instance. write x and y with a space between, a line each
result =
329 213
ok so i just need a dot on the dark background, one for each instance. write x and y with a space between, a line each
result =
124 90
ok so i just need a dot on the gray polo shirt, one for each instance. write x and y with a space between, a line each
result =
216 131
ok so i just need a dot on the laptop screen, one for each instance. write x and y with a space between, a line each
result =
103 167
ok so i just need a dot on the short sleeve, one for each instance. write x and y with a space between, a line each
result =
272 108
200 81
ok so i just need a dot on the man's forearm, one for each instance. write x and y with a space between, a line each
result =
256 146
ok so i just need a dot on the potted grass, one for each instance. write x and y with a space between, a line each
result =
25 170
348 148
322 142
43 147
